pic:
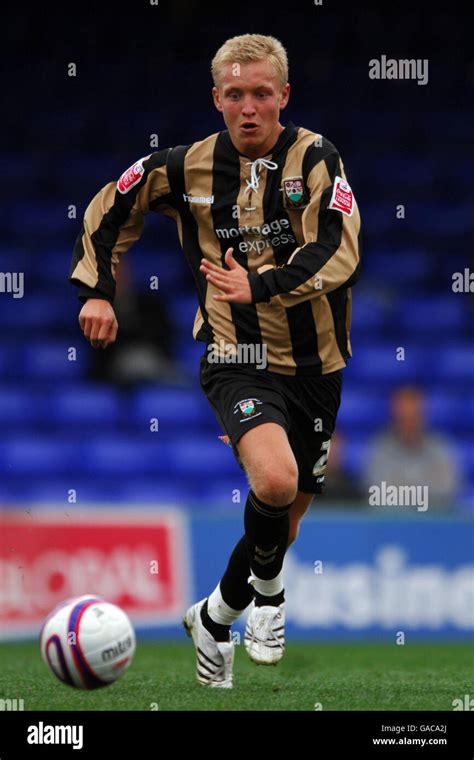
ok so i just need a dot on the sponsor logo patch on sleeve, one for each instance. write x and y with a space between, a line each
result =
131 177
342 198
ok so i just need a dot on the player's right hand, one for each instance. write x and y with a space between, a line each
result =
98 322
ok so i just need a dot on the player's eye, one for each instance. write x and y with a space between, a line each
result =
235 95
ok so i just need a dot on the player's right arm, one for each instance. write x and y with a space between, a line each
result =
113 221
329 259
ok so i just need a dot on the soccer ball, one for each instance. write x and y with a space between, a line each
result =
87 642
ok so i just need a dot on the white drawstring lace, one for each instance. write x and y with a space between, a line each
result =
253 183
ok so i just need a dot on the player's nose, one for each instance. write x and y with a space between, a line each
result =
248 106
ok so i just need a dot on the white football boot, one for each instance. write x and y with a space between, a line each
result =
214 659
265 634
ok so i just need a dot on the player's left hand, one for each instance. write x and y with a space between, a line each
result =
234 282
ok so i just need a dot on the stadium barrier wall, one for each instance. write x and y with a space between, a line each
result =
348 576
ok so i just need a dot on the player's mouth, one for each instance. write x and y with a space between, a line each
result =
248 127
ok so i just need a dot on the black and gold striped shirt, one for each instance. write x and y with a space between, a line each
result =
290 217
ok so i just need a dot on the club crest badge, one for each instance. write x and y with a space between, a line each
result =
247 408
293 193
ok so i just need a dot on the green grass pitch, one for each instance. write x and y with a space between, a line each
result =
328 676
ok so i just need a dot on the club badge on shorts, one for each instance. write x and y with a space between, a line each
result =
293 193
247 408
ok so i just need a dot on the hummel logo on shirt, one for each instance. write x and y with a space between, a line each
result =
198 198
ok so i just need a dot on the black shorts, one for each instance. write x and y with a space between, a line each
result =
306 407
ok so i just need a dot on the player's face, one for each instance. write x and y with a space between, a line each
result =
250 99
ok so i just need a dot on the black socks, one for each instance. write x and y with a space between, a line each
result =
260 551
266 530
235 590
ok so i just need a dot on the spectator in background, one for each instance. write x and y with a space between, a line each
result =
142 352
407 454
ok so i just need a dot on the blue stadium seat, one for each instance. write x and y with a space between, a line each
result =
398 267
159 490
370 313
54 492
168 266
354 454
44 217
182 311
187 353
454 217
88 403
49 360
177 410
38 454
362 410
197 457
196 491
432 313
466 500
377 363
445 410
420 169
124 454
10 364
465 447
15 259
38 312
200 457
54 269
19 404
469 410
223 493
455 362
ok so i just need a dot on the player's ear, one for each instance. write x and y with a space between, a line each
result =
215 95
285 95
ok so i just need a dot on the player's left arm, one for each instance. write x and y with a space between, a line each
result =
330 256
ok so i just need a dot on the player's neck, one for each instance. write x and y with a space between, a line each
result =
263 150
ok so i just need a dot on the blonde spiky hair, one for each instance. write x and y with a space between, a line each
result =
247 48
